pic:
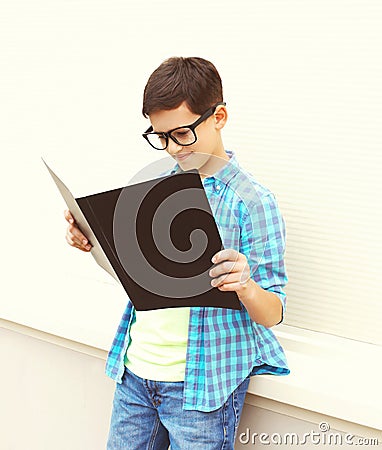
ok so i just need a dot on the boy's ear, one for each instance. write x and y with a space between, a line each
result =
220 117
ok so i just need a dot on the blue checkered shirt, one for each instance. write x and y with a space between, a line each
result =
225 345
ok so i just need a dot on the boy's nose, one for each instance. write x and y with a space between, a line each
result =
173 148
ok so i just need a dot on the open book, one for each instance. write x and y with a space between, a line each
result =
156 238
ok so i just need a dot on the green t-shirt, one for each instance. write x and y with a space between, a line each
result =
158 345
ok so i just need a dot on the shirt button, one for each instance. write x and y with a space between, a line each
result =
218 187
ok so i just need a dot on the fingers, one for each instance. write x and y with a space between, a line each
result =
226 267
226 254
231 270
74 236
233 277
226 278
68 216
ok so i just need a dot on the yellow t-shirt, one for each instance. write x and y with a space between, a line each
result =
158 345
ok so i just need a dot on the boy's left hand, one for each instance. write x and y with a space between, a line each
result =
231 272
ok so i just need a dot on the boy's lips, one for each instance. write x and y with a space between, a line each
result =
182 156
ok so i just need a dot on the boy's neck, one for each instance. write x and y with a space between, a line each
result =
214 164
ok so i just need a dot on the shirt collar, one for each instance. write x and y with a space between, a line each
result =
223 175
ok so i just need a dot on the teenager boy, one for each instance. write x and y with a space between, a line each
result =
182 373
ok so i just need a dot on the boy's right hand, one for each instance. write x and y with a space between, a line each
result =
74 236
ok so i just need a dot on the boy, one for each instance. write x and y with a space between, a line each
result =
182 373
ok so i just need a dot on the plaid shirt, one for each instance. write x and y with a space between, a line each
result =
225 345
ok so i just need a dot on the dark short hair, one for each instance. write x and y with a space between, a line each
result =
192 80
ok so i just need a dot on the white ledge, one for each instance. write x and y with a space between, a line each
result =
331 375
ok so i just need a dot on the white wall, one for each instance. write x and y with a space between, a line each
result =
302 84
51 397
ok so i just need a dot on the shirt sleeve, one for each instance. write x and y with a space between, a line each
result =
263 238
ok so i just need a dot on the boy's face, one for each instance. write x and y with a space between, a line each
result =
206 153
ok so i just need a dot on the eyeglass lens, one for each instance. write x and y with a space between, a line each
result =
182 136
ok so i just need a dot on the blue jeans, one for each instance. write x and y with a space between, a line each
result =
148 415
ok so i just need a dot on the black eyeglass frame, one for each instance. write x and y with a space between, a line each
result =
167 134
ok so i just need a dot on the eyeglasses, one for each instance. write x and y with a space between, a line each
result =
181 135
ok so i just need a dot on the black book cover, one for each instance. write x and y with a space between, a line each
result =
159 236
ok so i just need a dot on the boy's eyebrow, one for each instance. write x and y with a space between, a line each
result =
151 129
